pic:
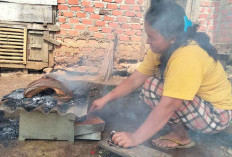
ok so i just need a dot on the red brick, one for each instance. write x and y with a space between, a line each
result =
117 12
95 16
100 23
202 22
213 16
202 28
65 26
130 32
61 1
89 9
136 26
106 30
136 7
138 14
62 32
62 7
125 26
86 21
81 14
123 37
108 18
202 10
98 35
72 20
130 1
93 29
129 13
75 8
113 24
62 19
73 2
140 2
68 14
203 16
211 28
112 6
99 5
209 10
205 4
122 19
119 31
86 3
80 27
136 38
107 0
72 32
134 20
215 4
229 1
118 1
125 7
139 33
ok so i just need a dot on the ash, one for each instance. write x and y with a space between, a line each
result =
9 130
45 100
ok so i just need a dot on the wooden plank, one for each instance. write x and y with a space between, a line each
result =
45 48
44 2
11 33
36 65
11 36
53 41
25 12
10 61
138 151
93 136
25 47
50 54
11 30
9 46
10 50
35 26
10 39
11 54
10 43
6 46
10 57
12 65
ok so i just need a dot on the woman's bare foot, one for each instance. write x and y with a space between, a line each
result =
179 134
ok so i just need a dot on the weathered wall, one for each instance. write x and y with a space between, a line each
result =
87 27
215 18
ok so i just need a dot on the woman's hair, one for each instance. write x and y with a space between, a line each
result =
167 18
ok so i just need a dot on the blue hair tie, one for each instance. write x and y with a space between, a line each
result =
187 23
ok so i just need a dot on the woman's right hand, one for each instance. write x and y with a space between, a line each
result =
97 105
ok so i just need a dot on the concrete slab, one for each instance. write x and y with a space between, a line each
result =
138 151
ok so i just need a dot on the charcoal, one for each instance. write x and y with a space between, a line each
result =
9 130
16 94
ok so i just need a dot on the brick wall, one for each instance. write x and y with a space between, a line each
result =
87 28
215 18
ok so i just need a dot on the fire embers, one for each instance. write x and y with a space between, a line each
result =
46 94
110 141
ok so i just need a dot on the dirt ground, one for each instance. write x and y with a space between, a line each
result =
125 110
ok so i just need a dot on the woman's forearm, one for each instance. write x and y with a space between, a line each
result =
157 119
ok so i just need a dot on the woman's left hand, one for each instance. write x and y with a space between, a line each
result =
125 139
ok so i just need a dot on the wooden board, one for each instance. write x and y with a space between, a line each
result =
25 12
139 151
46 2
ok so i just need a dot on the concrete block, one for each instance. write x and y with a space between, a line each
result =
93 136
91 125
52 126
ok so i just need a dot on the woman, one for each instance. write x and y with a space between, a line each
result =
192 91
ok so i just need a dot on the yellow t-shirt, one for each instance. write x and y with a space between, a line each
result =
191 71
